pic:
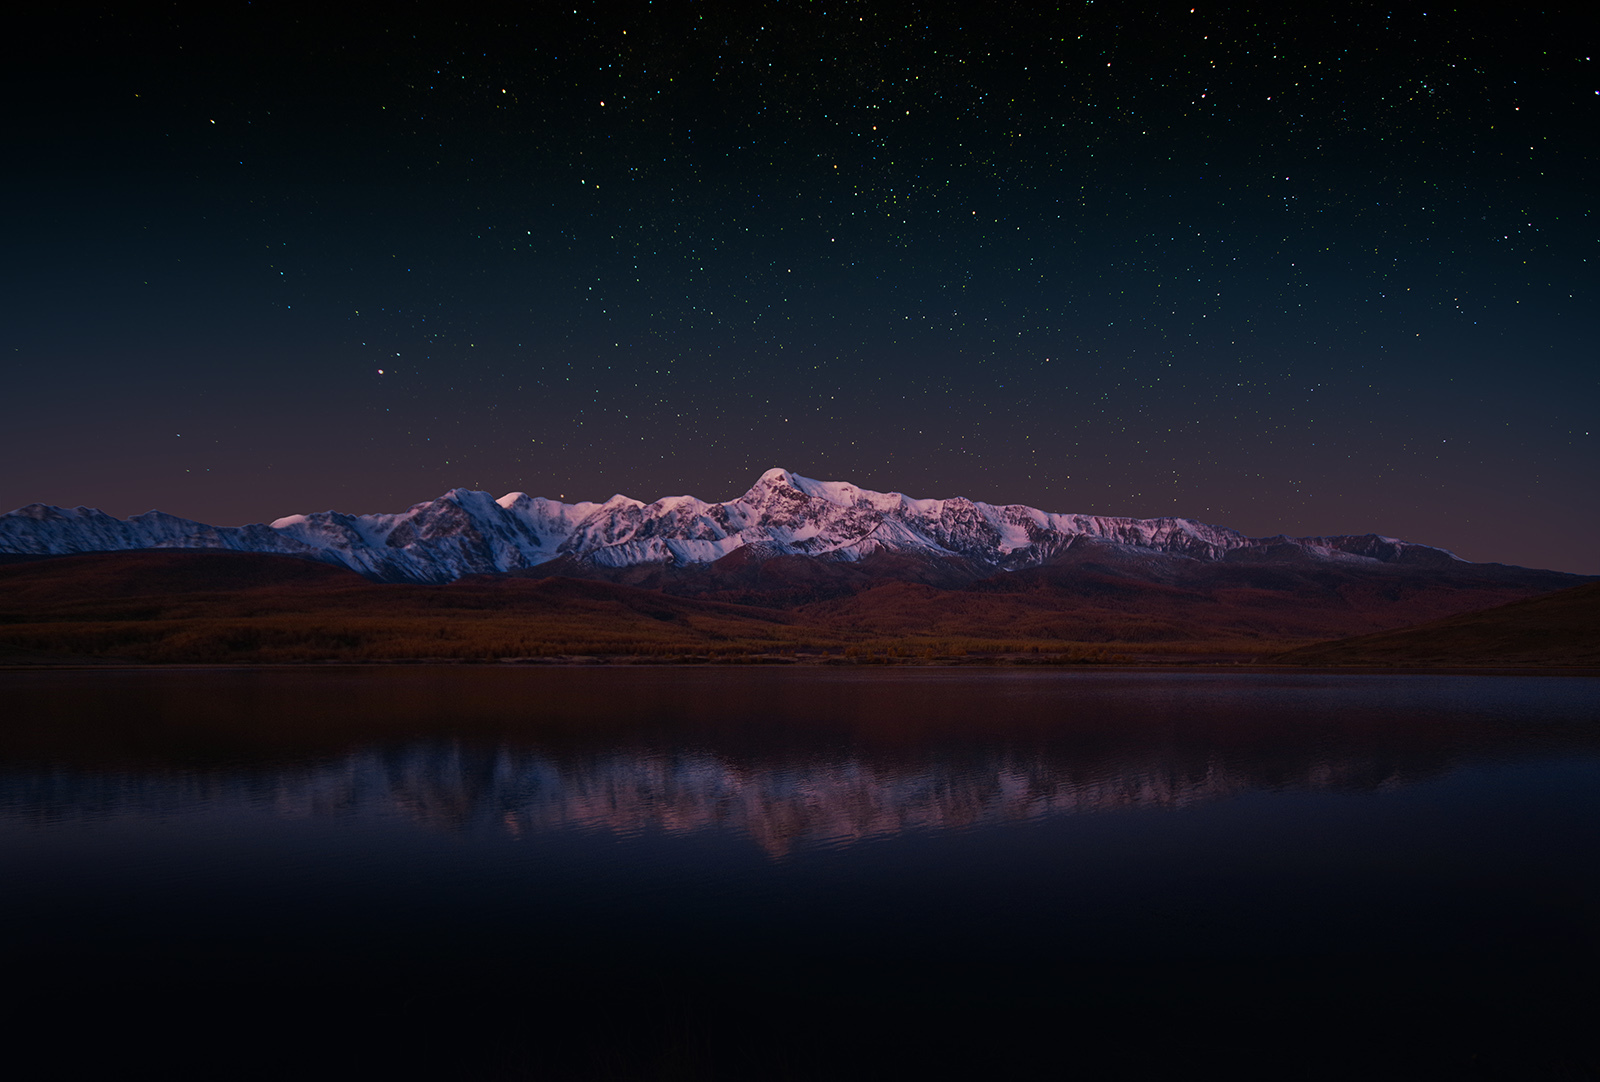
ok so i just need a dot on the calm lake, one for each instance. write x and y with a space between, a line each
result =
742 873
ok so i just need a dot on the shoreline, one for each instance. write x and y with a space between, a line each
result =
898 665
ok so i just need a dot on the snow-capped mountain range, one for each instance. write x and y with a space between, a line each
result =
466 533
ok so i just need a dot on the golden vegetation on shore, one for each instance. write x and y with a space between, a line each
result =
447 638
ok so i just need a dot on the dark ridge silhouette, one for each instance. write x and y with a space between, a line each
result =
1558 629
148 572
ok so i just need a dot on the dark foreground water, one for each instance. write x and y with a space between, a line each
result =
800 873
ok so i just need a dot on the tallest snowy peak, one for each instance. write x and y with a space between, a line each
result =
842 493
775 480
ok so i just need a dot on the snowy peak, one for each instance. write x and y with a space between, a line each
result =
466 532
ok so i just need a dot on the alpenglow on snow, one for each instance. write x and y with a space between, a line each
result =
468 533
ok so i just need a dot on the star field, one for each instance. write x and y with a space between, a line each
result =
1315 271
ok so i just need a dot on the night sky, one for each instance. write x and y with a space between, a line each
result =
1320 268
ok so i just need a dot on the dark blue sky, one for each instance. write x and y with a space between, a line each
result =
1328 270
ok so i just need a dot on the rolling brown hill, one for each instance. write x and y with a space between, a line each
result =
1110 594
1559 630
188 606
1109 597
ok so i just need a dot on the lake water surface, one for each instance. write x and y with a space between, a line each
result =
811 873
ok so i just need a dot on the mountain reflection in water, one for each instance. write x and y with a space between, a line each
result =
777 805
499 872
831 760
